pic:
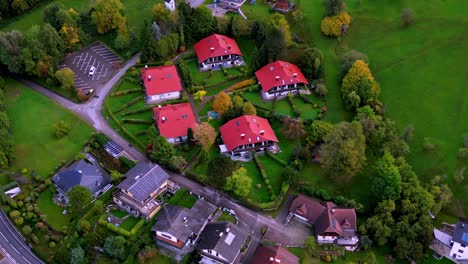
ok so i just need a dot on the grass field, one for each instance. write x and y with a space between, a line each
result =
32 119
54 212
183 198
225 216
421 70
129 223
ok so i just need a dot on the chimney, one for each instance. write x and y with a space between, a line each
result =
242 135
258 138
146 66
149 77
159 106
185 219
271 260
333 211
212 49
294 75
250 140
262 132
228 229
229 47
221 234
277 78
80 172
277 260
164 118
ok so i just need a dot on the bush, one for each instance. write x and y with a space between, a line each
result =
428 145
137 227
102 139
138 111
333 26
120 93
407 17
242 84
137 121
127 162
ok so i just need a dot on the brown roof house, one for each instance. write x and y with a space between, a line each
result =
331 224
273 255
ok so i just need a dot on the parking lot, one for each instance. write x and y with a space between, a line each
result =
96 55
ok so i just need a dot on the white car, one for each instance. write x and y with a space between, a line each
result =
92 71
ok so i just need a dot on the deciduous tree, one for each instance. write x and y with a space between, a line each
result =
77 256
78 198
239 26
318 130
62 129
205 135
162 150
312 63
333 25
107 15
279 22
222 103
199 95
115 246
66 77
359 80
387 181
239 182
219 169
249 109
334 7
293 128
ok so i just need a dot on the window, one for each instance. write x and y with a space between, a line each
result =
460 251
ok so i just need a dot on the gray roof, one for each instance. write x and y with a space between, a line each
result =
227 244
460 235
195 217
143 179
81 173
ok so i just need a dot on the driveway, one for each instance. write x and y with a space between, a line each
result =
195 3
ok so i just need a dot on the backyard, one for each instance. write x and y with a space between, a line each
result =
425 57
55 217
32 119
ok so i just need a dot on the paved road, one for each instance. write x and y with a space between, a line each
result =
249 221
13 244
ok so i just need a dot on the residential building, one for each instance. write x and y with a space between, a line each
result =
273 255
221 242
280 78
139 193
459 242
173 121
451 241
179 226
217 51
170 4
331 224
283 6
247 134
161 83
81 173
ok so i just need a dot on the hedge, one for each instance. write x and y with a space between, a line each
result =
102 221
263 172
273 157
119 93
140 133
8 186
137 121
127 162
127 105
138 111
137 227
102 139
241 84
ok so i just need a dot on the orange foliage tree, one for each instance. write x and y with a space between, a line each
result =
222 103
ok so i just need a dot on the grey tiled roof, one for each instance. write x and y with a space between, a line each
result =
143 179
460 234
195 219
81 173
227 244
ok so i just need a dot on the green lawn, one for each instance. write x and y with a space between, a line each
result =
32 119
159 259
225 216
183 198
119 213
129 223
421 70
54 212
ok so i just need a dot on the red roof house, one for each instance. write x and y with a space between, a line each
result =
283 6
279 78
274 255
173 121
216 51
332 224
161 83
247 133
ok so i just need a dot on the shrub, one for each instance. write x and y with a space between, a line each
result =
407 17
120 93
428 145
27 230
242 84
137 121
138 111
333 25
258 186
137 227
52 244
102 139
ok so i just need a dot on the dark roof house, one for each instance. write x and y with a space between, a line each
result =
460 234
83 174
273 255
181 225
221 241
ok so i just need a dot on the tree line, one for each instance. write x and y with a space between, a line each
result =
6 144
9 8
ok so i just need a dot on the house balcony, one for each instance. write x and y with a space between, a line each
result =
147 209
351 241
327 239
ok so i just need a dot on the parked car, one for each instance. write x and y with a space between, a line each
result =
92 71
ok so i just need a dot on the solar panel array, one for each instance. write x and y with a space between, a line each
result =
113 148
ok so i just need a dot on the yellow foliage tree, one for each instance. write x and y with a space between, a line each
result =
69 34
199 95
222 103
332 26
358 70
107 15
279 21
358 86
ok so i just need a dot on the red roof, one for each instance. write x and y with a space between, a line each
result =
270 255
214 46
174 120
161 80
245 130
326 216
279 73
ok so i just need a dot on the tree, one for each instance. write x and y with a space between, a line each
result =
204 134
70 36
146 254
279 22
318 130
10 50
343 154
239 182
162 150
249 109
312 63
237 102
160 13
369 258
334 7
459 175
77 256
222 103
321 89
239 26
274 46
116 175
122 41
408 133
387 182
62 129
177 163
293 128
349 58
311 246
442 195
359 80
66 77
156 30
219 169
333 25
27 230
407 17
199 23
258 33
115 246
428 145
107 15
78 198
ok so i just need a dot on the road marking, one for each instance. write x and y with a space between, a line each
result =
26 260
15 249
4 237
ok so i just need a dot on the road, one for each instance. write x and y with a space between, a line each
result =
13 243
249 220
